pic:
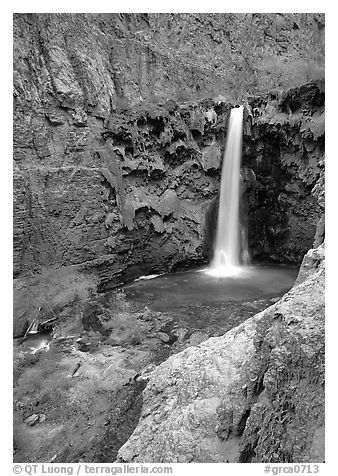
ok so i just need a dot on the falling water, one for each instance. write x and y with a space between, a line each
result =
226 260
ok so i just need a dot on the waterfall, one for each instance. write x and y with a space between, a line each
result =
229 246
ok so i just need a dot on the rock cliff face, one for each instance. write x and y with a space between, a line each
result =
111 178
255 394
285 149
91 61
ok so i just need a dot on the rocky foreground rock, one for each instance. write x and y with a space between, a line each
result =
255 394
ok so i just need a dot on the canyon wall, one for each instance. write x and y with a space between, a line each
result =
94 61
113 177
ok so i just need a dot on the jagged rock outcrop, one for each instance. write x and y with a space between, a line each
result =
130 195
285 148
255 394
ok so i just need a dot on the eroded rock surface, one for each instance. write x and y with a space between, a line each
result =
255 394
131 196
284 147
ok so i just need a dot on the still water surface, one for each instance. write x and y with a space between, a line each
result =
199 299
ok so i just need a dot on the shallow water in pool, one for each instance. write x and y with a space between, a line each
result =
194 296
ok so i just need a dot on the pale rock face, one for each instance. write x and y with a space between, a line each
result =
224 400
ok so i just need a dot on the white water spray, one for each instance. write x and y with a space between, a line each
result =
226 260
